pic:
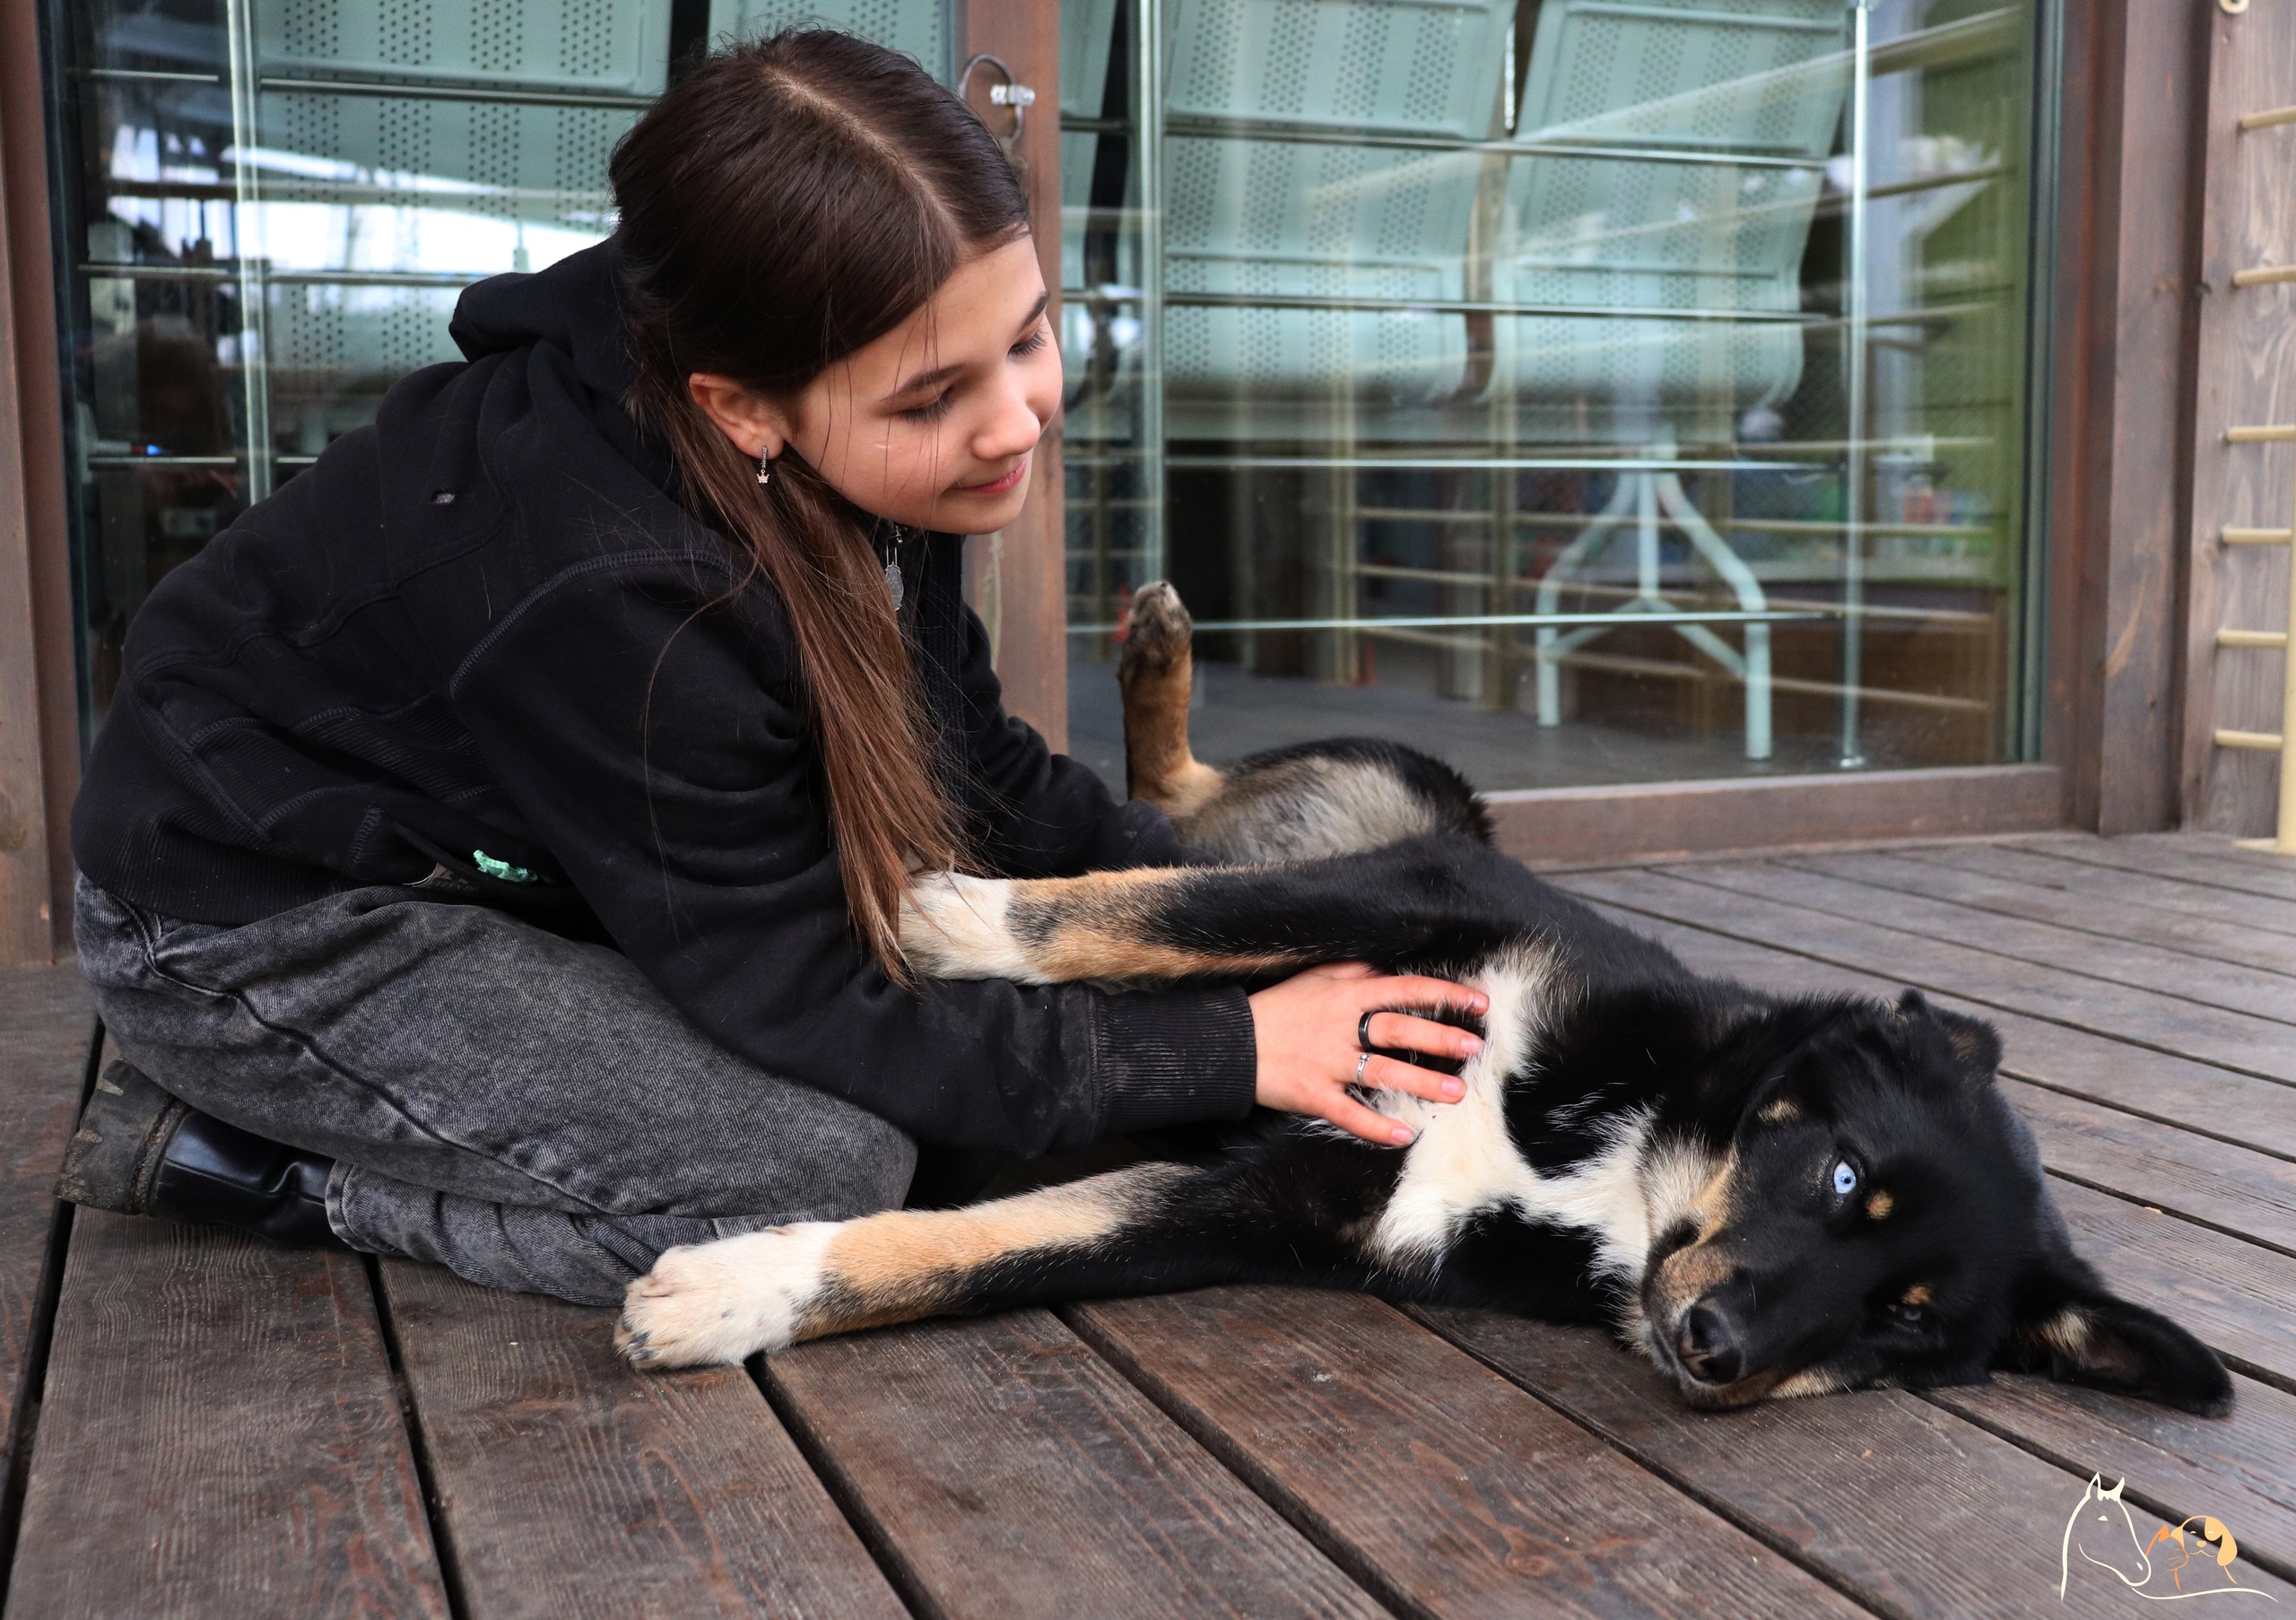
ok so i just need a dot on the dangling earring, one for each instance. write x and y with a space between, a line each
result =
764 465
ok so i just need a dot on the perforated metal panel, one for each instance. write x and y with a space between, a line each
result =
1323 220
1762 78
617 46
917 28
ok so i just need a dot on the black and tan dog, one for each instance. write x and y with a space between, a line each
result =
1769 1195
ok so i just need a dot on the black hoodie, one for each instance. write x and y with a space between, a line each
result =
481 636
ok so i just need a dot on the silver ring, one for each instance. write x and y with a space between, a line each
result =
1360 1062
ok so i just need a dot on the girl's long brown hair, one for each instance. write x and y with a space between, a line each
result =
784 204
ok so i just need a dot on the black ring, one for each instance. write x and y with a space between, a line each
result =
1363 1028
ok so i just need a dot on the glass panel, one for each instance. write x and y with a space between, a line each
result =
280 201
1587 391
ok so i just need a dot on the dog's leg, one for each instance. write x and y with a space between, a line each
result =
1145 1228
1156 677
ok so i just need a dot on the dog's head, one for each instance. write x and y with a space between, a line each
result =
1876 1216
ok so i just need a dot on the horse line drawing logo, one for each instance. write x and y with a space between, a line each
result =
2101 1531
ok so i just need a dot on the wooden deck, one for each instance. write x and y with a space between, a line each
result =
193 1423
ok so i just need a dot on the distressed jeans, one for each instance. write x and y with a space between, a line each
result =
524 1108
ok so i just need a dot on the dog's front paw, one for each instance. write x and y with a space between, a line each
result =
954 926
724 1301
1158 634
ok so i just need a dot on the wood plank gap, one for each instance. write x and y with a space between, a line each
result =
33 1386
1351 1562
908 1585
2149 926
2172 869
2129 977
1721 1507
2262 915
442 1533
2161 1507
2010 1070
2217 1227
1958 994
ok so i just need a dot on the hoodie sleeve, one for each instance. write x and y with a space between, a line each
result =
659 752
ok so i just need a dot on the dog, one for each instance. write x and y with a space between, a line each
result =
1768 1196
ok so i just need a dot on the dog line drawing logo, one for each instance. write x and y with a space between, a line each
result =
2103 1532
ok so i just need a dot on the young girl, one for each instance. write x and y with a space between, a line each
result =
495 849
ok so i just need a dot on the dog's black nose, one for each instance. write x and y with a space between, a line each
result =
1708 1346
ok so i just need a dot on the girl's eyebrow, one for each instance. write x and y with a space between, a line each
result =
925 379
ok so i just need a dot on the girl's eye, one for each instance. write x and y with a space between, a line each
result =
938 405
1034 340
1845 1178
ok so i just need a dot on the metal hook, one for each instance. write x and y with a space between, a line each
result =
1012 93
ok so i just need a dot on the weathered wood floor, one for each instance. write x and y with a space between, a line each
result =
198 1425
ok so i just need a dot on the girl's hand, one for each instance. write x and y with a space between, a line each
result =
1305 1030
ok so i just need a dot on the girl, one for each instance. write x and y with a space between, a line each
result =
494 852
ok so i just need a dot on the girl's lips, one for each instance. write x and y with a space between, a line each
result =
997 486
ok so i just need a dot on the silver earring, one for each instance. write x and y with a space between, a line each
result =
764 465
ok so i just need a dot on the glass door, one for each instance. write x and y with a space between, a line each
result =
1584 391
272 205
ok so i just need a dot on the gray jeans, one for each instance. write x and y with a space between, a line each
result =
522 1107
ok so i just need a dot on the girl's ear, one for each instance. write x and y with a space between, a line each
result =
2069 1327
755 425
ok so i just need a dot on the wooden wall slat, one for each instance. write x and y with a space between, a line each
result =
1917 1512
2246 370
1447 1490
220 1437
569 1485
1010 1473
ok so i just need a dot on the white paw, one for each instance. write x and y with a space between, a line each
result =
724 1301
953 927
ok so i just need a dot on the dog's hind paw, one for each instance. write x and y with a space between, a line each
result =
719 1302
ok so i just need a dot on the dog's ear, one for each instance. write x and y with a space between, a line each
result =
1975 1044
2068 1326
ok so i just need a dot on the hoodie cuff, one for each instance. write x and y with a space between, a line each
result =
1174 1058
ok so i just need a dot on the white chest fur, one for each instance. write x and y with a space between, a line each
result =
1464 1163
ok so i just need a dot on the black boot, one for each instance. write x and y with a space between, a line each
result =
142 1152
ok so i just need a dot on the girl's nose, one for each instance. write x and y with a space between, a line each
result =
1012 428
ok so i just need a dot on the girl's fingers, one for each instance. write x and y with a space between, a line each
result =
1410 991
1358 1120
1403 1032
1394 1074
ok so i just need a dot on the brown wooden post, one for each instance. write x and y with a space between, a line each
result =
39 747
2247 373
2122 376
1029 591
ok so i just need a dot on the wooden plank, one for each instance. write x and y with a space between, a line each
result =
1909 1508
1004 1470
2213 861
220 1437
2249 911
2197 1098
2237 1297
2250 1194
569 1485
2230 1039
44 1023
1442 1487
1549 826
2218 984
2175 1463
2250 951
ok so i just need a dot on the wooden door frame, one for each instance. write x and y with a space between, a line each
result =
39 706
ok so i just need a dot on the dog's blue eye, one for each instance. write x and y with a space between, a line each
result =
1845 1178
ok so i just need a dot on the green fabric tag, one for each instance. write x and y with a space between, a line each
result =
501 870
